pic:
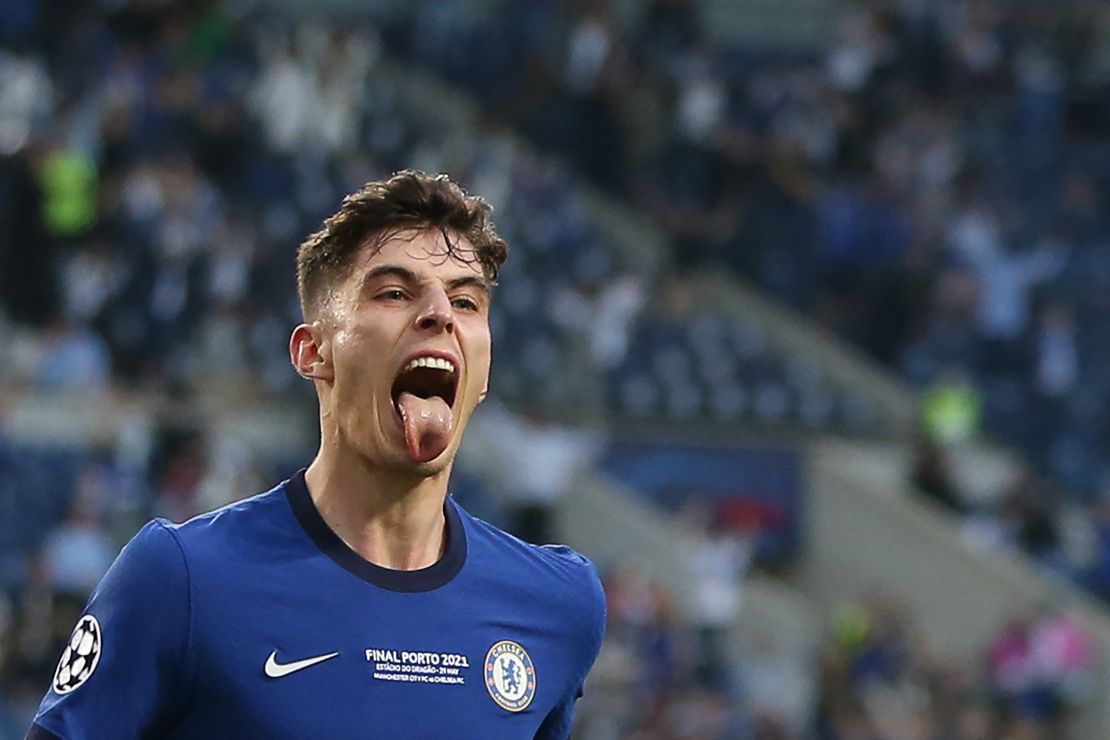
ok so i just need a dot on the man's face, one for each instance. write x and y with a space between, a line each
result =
410 350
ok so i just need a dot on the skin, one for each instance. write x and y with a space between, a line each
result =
408 296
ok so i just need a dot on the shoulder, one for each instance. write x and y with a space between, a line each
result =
149 564
234 521
556 574
557 561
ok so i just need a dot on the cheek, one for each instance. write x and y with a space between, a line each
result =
475 346
343 363
356 366
481 361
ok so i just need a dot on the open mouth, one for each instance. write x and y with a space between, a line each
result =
427 377
423 397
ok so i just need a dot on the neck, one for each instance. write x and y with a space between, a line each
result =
391 518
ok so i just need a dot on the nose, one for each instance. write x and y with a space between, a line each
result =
436 315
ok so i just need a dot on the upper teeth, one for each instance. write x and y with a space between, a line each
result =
434 362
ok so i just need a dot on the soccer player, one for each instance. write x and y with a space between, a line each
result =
357 599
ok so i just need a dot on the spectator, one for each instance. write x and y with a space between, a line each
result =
932 476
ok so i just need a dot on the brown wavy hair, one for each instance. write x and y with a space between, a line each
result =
408 200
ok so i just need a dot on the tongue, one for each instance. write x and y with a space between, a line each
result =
427 423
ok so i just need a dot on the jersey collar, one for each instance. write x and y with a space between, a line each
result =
406 581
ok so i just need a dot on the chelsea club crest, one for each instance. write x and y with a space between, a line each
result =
510 676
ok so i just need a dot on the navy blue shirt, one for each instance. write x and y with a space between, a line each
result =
256 620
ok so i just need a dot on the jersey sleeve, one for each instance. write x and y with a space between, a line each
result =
590 633
123 671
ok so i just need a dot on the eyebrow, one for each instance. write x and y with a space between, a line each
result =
470 281
409 277
403 274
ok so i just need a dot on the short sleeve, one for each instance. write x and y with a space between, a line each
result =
591 631
122 673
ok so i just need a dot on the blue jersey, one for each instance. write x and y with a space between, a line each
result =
256 620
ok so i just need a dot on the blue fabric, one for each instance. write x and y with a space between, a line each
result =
191 614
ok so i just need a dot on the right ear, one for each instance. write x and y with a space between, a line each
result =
309 352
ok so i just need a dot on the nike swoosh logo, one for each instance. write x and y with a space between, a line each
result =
277 670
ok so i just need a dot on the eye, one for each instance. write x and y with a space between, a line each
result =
465 303
392 295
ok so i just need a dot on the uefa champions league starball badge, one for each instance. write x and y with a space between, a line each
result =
510 676
81 656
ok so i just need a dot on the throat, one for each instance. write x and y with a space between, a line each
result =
379 517
396 551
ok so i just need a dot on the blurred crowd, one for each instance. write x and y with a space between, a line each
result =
1068 538
930 183
658 679
880 680
162 160
173 181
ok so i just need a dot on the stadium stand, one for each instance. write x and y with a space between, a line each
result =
922 178
157 282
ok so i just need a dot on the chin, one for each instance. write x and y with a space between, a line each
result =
424 471
402 462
